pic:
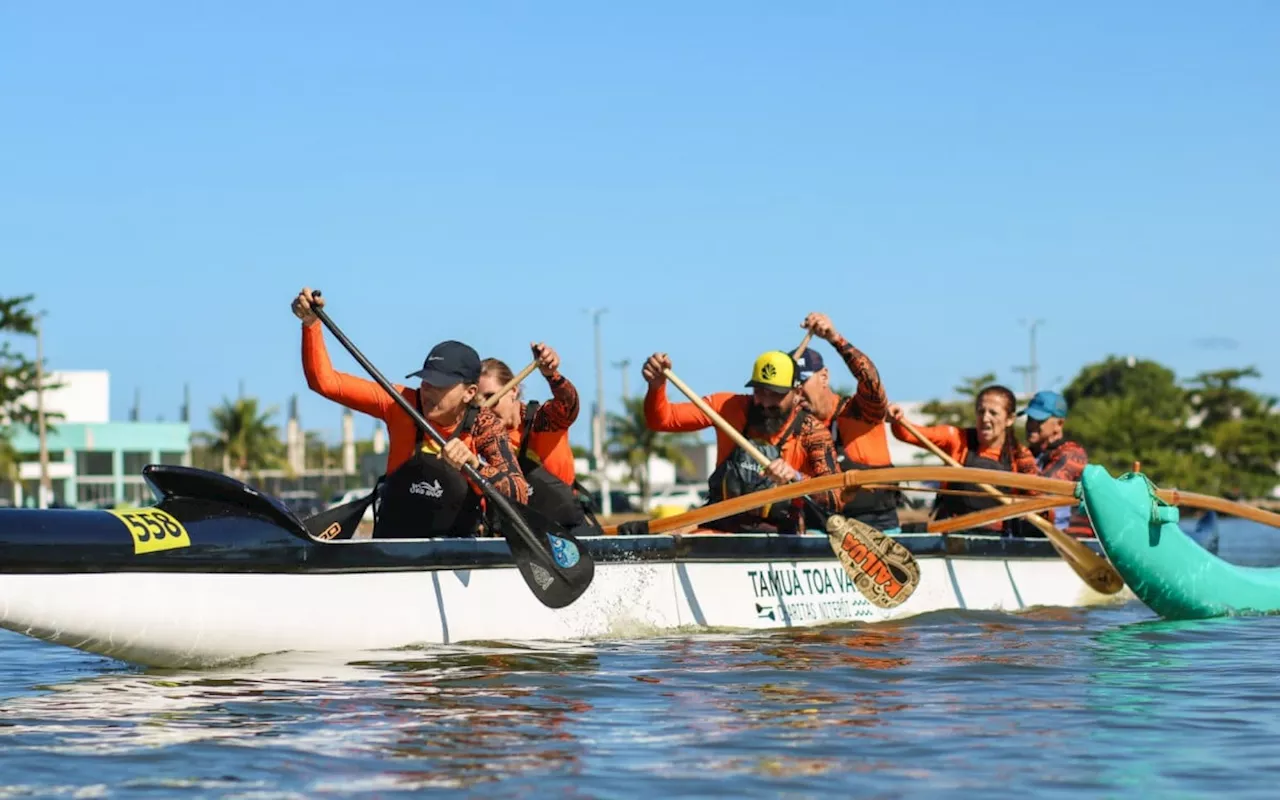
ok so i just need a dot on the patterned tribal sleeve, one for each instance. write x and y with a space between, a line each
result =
820 454
870 403
492 443
1025 462
1069 460
558 413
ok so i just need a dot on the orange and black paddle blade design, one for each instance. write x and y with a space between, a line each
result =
882 568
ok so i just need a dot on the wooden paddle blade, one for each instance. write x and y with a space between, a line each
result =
558 586
882 568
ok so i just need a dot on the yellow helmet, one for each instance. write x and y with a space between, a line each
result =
774 370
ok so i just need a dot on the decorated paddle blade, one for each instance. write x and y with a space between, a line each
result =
339 522
882 568
559 584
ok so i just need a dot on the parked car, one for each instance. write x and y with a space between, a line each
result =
684 496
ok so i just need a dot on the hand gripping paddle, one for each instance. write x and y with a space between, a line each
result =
557 568
883 569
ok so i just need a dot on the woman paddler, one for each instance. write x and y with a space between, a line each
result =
423 492
990 444
539 434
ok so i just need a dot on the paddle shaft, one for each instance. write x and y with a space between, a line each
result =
503 504
804 344
511 384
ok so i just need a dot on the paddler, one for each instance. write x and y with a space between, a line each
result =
772 418
1056 455
990 444
423 493
539 434
856 421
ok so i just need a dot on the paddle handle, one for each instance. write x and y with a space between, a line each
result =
720 422
511 384
1035 519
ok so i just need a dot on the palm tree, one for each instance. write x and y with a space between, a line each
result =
632 441
243 438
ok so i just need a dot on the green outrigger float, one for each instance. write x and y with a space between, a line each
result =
1164 567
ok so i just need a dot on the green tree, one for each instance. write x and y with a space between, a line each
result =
243 439
1211 435
630 440
1238 429
17 380
958 412
1152 384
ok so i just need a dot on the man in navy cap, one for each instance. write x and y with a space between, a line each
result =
856 422
423 493
1056 455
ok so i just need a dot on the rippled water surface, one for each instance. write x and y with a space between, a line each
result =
1103 702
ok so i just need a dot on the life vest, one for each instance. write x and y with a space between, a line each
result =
738 473
425 497
877 508
548 495
949 505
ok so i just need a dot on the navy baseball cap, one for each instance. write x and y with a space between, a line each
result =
809 363
448 364
1046 405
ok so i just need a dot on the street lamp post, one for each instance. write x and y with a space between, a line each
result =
598 427
46 487
622 367
1032 369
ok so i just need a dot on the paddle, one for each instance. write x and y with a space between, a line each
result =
976 519
804 344
1092 568
511 384
851 479
557 568
884 570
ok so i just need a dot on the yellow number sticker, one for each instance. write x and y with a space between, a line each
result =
153 530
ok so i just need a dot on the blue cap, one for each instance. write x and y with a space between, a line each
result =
1045 405
809 363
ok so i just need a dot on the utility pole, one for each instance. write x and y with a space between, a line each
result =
622 367
598 426
1032 369
46 487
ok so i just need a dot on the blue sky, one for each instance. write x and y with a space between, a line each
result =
927 173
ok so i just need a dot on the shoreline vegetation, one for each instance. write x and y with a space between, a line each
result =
1205 433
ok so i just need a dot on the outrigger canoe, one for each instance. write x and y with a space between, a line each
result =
1165 568
217 572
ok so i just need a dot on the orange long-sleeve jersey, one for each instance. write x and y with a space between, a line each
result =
951 440
549 438
488 437
809 451
860 417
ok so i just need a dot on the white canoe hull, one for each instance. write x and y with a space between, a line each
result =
202 619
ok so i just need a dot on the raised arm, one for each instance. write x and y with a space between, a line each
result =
558 413
948 438
869 404
660 414
355 393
